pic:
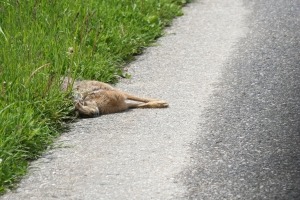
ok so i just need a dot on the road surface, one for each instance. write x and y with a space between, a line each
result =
230 71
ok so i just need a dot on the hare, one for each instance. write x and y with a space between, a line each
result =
94 98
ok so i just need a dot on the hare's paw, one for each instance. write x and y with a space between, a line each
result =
78 105
162 104
157 104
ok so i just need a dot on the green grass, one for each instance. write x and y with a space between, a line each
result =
40 41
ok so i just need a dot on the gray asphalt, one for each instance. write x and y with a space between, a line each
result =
230 71
248 144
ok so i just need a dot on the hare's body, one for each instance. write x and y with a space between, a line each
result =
93 98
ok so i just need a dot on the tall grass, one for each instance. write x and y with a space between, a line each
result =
40 41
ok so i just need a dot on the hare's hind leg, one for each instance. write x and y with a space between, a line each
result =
136 98
151 104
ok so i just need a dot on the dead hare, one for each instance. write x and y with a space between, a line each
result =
94 98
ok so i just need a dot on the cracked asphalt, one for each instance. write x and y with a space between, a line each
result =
230 71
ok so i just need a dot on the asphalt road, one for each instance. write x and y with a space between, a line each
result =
249 135
231 73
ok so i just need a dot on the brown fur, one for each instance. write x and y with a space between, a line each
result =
93 98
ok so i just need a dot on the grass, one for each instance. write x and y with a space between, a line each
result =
40 41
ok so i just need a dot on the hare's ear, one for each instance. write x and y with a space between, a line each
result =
66 83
